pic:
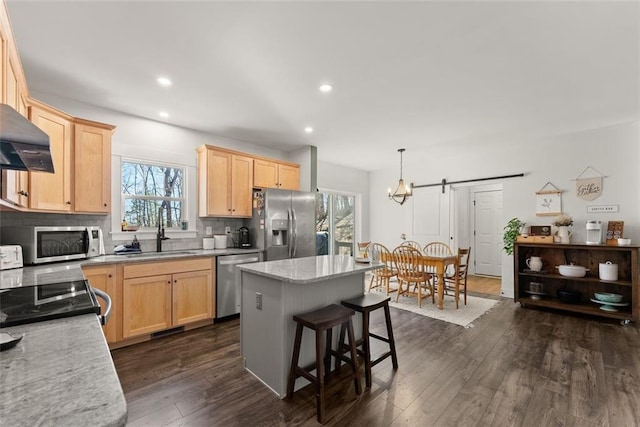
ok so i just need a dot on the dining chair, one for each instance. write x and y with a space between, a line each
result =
464 255
439 249
411 271
383 275
412 243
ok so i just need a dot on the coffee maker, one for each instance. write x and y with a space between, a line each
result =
244 240
594 232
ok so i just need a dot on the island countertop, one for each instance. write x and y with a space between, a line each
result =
309 269
60 373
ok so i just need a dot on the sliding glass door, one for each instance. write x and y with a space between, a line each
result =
335 224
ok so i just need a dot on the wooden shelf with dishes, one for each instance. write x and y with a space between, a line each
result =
540 288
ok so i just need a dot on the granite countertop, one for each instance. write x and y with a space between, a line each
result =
60 373
72 270
309 269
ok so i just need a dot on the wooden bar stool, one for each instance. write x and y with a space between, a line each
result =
365 305
323 320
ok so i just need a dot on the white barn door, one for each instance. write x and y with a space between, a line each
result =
431 215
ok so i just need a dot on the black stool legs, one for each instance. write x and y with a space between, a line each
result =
322 321
365 305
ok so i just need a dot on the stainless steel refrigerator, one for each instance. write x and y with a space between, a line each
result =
284 224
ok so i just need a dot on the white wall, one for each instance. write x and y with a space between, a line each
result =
614 151
152 140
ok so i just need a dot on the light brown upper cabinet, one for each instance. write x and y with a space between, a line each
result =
225 181
52 191
270 174
13 92
92 167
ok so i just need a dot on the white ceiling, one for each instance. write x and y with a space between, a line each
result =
426 76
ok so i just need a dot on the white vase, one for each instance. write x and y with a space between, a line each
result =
534 263
564 234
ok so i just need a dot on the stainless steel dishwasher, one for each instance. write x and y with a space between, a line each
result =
228 282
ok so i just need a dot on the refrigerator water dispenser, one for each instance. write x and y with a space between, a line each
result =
279 229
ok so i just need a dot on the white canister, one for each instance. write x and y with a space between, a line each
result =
221 241
208 243
608 271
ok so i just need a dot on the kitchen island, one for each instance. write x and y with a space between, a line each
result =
273 292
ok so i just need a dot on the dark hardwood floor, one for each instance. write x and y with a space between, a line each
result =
516 367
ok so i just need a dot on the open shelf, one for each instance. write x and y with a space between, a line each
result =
587 279
588 256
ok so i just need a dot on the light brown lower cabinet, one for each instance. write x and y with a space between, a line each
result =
104 278
159 296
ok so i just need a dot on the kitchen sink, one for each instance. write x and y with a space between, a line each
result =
159 254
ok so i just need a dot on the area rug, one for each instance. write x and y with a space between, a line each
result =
463 316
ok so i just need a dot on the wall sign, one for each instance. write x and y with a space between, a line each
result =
589 188
603 209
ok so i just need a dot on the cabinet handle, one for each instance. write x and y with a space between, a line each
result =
23 193
175 281
105 205
68 203
109 275
169 282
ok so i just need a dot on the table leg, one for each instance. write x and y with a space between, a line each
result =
440 273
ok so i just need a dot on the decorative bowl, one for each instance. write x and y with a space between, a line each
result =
130 228
572 270
569 296
608 297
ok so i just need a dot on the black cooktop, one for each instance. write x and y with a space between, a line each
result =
28 304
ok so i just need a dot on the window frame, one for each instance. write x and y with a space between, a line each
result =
331 214
148 233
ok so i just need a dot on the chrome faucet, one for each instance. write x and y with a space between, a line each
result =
160 236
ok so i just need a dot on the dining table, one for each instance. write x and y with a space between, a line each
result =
438 263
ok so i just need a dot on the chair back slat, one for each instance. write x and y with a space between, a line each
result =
412 243
437 249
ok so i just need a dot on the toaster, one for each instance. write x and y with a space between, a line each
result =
10 257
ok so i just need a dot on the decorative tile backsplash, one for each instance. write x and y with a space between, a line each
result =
23 219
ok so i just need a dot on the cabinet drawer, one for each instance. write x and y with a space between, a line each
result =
534 239
170 267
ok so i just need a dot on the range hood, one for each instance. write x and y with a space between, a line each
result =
23 146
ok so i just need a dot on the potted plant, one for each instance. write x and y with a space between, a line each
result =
511 232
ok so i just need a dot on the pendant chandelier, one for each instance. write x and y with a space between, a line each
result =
403 192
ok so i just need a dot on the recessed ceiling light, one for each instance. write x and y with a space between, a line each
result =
308 129
164 81
163 114
325 87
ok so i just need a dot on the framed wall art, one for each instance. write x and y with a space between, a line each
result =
548 201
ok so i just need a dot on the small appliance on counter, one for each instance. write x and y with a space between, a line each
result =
51 244
244 240
10 257
594 232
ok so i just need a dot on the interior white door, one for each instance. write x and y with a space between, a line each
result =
488 232
431 215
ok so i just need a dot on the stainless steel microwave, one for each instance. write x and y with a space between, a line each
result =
50 244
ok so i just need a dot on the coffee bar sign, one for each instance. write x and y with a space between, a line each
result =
589 188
